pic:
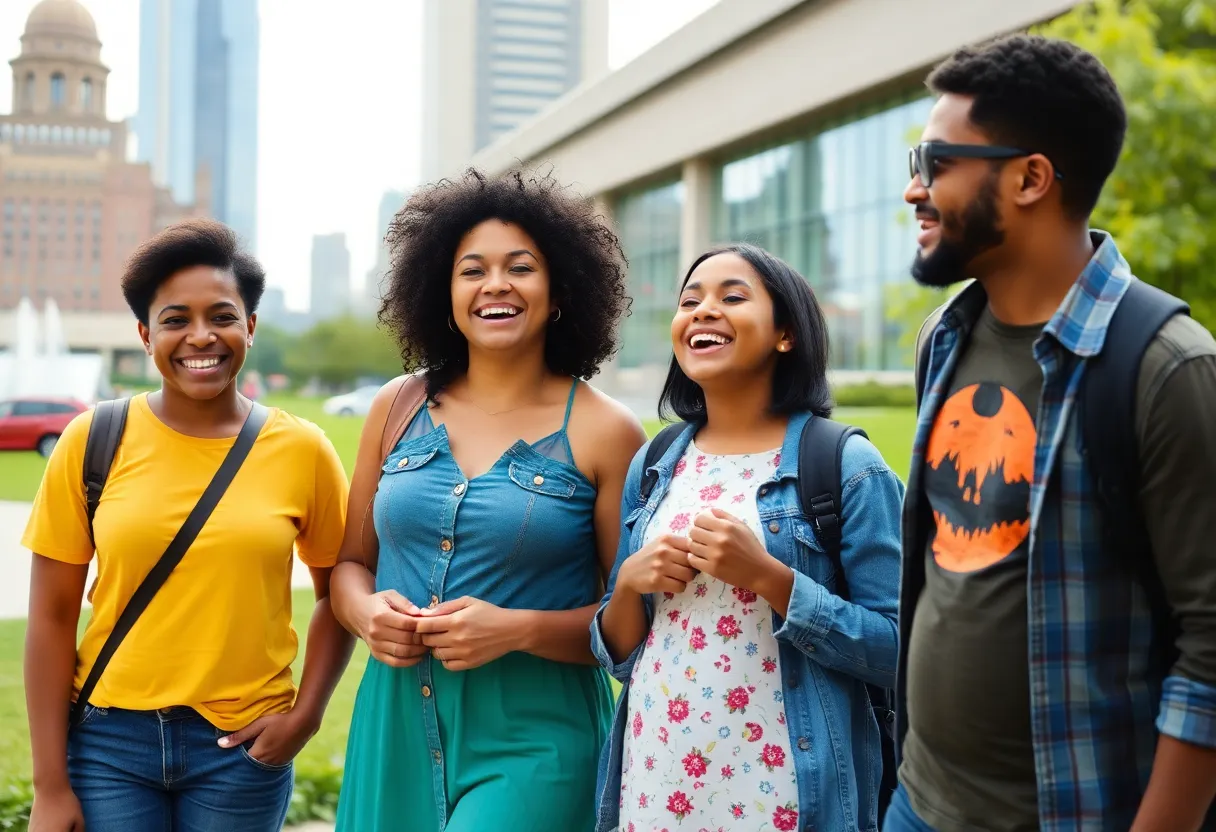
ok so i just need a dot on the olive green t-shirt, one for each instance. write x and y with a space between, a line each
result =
968 756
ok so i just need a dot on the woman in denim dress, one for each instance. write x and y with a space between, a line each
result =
493 521
745 704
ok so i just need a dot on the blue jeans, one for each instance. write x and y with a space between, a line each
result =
155 771
901 818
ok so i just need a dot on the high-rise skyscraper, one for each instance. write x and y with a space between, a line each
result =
390 204
329 292
490 65
198 102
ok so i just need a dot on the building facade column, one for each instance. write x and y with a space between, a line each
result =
696 221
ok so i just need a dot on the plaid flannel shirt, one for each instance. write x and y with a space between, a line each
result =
1096 702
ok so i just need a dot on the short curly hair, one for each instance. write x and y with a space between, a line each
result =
183 245
585 259
1047 96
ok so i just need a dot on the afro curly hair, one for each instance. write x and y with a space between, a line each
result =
1047 96
586 270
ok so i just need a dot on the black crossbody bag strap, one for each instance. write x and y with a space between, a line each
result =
175 551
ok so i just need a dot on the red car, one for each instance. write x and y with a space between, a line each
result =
34 423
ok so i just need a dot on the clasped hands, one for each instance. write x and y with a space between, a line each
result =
462 634
718 544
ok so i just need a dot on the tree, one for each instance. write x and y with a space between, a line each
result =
339 351
1160 203
271 346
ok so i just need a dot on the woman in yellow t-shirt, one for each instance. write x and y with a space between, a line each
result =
195 721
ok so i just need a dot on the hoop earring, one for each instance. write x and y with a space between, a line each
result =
452 325
554 319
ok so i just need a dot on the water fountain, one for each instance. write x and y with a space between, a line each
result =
39 363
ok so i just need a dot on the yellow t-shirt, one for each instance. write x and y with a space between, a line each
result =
218 636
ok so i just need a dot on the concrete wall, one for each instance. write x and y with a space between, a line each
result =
745 68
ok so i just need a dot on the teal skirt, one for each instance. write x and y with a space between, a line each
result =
519 744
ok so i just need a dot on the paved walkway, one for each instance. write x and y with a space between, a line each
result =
15 563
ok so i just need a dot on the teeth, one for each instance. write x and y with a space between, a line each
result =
702 339
200 363
487 311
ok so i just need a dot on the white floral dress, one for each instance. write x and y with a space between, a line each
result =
706 744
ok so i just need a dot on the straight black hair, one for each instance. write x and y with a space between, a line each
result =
800 381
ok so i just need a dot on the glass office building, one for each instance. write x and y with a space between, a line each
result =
648 222
827 199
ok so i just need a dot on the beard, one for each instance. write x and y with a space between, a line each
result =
960 241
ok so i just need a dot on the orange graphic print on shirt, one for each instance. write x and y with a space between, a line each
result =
979 466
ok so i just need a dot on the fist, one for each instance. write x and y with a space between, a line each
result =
660 566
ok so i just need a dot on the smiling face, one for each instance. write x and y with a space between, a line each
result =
198 332
961 224
500 288
724 325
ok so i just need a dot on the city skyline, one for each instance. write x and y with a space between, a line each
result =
332 142
198 102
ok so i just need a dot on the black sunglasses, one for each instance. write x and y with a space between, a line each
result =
922 158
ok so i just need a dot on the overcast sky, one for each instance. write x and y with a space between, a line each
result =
340 104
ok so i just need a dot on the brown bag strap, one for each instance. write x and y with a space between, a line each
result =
409 399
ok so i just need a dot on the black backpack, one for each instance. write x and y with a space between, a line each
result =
1107 420
820 448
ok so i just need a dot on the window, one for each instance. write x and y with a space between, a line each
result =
830 203
6 409
649 223
30 408
30 87
86 95
57 90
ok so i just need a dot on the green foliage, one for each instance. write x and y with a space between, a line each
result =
341 350
909 304
315 796
1160 203
271 346
16 798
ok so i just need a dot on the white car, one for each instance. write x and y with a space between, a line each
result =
355 403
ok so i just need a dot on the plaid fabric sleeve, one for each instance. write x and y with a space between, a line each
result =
1188 712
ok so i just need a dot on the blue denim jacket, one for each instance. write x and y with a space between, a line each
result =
829 648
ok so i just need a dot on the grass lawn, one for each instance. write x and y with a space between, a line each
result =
889 429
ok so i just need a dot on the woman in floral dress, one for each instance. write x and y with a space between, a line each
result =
744 704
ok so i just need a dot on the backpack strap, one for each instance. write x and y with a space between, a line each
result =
1111 449
174 553
408 400
820 452
654 452
820 449
105 434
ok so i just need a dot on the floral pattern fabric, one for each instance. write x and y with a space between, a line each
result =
707 747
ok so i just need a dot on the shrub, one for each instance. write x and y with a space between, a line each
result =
875 394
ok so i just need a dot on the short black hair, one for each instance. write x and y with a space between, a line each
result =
800 380
183 245
585 260
1046 96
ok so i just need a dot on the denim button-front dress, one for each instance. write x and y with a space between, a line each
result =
513 744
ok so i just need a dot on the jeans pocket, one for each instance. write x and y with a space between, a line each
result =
264 766
91 711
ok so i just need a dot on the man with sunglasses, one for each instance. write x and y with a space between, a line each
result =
1046 680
